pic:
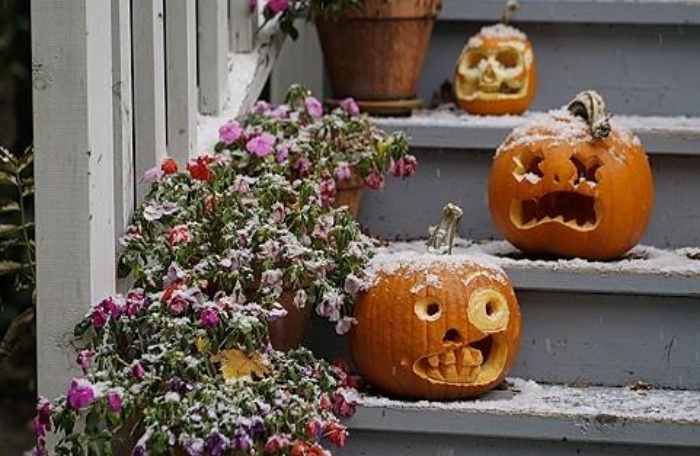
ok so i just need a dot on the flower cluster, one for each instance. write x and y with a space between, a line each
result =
289 10
298 140
220 252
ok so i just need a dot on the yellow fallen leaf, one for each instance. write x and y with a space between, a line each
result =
236 364
202 344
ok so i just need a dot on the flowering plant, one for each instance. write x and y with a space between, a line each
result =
298 140
289 10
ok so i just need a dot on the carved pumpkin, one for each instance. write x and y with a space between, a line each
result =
495 73
435 326
572 184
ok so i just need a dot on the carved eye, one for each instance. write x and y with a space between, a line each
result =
528 163
586 171
428 310
474 59
508 58
488 310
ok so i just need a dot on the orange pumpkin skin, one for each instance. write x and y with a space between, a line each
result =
490 90
554 189
426 333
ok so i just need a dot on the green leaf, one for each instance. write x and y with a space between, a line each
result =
10 267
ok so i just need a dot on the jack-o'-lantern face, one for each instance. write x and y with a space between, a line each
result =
496 73
438 331
556 189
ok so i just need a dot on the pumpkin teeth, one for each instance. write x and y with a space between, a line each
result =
448 358
434 361
567 208
461 365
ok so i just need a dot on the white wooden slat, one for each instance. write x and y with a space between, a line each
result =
72 78
243 22
181 78
149 85
124 178
212 17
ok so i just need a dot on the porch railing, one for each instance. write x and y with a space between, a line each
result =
118 85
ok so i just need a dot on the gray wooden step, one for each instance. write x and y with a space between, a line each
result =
533 419
675 12
678 135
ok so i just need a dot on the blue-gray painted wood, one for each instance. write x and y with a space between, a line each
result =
640 70
405 209
674 12
590 339
459 131
421 443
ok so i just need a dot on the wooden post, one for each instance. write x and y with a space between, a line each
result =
213 44
181 78
243 22
149 86
72 76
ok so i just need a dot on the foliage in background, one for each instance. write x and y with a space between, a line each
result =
290 10
17 269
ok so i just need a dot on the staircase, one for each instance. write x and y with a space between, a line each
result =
610 355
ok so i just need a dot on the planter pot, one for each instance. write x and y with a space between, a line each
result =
349 193
288 332
376 55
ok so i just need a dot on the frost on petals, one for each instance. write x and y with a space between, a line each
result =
230 132
314 107
350 106
261 145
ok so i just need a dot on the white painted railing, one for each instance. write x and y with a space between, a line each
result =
118 85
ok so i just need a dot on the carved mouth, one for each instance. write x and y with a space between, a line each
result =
479 362
571 209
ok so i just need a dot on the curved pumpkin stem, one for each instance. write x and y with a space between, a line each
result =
508 10
590 106
443 235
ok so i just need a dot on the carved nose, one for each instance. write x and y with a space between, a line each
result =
452 336
489 74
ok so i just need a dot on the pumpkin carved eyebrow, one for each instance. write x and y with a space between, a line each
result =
586 171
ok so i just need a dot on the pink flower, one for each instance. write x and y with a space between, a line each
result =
328 189
209 317
374 179
98 318
343 171
303 165
278 6
277 443
151 175
230 132
343 325
405 167
138 371
85 360
241 185
282 153
42 421
280 112
178 304
314 107
80 394
114 401
178 234
314 429
350 106
325 402
345 401
261 107
261 145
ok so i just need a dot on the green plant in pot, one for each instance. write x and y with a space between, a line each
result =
373 49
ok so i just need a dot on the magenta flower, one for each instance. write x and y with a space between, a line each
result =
209 317
261 107
178 304
98 318
85 360
42 421
375 179
114 401
261 145
328 189
278 6
314 107
282 153
303 166
343 171
345 401
138 371
350 106
230 132
80 394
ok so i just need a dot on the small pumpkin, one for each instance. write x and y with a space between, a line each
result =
496 72
435 326
572 183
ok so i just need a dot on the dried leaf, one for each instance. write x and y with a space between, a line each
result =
236 364
7 178
6 230
202 344
10 267
7 206
25 160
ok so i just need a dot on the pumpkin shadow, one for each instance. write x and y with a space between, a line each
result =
629 256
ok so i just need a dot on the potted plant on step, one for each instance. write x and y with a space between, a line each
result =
373 49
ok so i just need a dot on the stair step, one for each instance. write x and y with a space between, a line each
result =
581 11
679 135
558 418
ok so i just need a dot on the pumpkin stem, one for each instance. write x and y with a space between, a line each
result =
511 7
442 236
590 106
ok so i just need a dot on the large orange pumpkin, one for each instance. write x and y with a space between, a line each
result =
572 183
496 73
435 326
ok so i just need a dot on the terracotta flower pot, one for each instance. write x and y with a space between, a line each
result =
349 193
288 332
376 55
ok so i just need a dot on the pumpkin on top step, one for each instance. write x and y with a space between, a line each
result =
572 183
433 326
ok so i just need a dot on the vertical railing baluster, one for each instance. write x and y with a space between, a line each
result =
213 44
243 22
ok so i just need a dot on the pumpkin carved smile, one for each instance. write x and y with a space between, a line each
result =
572 209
